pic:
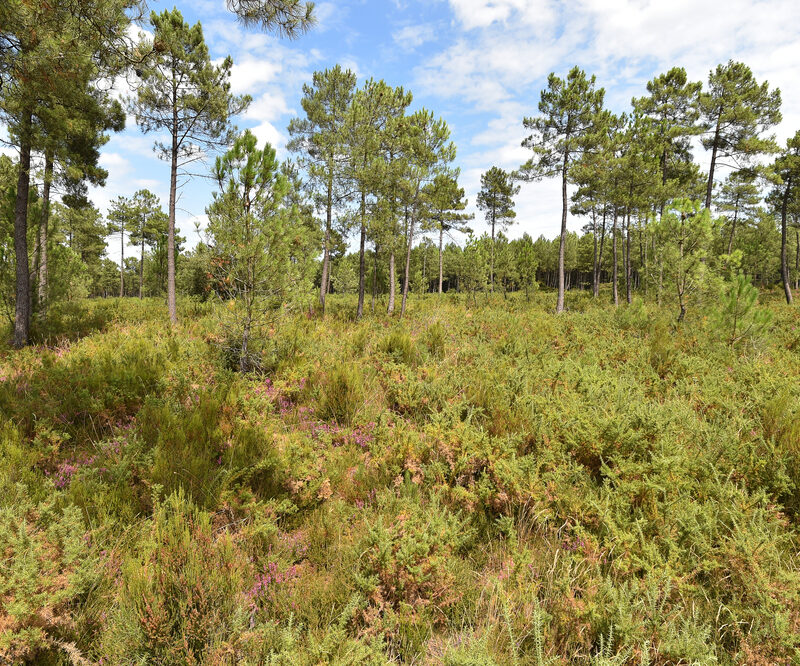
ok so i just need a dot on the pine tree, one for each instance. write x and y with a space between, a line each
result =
430 152
320 140
787 167
737 199
737 111
445 201
288 18
673 106
51 54
250 236
562 134
496 199
185 95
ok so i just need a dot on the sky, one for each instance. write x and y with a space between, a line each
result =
480 65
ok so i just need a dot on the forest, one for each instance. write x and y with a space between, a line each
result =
355 418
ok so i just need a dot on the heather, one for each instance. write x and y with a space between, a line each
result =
470 484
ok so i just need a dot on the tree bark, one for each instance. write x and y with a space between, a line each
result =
615 270
121 260
22 313
390 308
374 278
141 268
562 243
441 271
43 229
600 257
710 186
787 286
408 266
491 264
326 256
362 265
628 293
173 192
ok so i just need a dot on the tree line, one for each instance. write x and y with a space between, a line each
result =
367 169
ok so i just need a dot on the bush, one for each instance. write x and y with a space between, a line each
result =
181 599
48 566
400 347
342 394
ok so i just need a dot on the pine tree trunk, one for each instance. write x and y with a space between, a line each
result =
595 286
600 257
141 269
121 260
628 294
362 260
491 265
615 270
326 257
374 278
797 258
44 223
787 287
733 229
408 266
173 192
562 243
710 186
441 257
22 312
390 308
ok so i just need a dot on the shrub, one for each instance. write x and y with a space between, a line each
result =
342 394
182 591
400 347
48 566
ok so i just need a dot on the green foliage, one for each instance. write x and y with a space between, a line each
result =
737 317
399 346
488 485
342 395
49 567
181 597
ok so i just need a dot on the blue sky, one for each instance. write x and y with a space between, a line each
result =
480 64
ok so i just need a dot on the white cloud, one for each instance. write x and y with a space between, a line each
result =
412 36
498 63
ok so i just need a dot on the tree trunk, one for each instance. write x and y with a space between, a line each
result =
243 360
787 287
362 260
797 258
595 286
326 257
408 266
733 228
615 270
173 192
600 256
441 257
710 186
121 260
628 294
374 278
562 243
390 308
141 269
44 223
491 264
22 313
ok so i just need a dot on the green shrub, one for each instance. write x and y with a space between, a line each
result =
399 346
435 339
48 566
342 394
182 595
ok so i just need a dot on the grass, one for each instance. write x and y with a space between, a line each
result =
472 485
